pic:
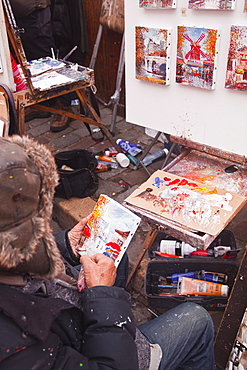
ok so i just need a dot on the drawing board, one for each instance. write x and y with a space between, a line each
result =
189 203
215 117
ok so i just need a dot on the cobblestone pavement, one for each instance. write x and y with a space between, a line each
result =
118 184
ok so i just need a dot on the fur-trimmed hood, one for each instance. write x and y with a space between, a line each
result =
28 177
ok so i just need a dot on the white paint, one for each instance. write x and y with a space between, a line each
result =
217 118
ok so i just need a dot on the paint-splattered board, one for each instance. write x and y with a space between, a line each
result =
210 171
186 203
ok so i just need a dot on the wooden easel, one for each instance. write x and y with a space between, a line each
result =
33 96
114 20
169 227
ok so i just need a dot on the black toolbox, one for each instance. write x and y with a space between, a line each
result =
165 266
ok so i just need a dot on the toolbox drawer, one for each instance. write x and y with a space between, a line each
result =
163 267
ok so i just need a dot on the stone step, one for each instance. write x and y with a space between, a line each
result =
67 212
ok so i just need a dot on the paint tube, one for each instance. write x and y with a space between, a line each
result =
111 151
66 168
111 164
218 251
201 275
128 147
176 247
201 287
102 167
154 157
105 158
132 159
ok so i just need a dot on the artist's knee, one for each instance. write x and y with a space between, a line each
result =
198 317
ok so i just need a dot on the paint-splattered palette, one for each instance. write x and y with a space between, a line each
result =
186 202
211 171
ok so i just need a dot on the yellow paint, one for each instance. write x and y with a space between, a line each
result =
202 188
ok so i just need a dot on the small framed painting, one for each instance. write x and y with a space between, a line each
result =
196 56
157 4
236 73
212 4
153 54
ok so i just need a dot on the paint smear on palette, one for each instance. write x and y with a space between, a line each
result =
191 204
211 171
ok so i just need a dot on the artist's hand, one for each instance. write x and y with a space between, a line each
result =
76 233
98 270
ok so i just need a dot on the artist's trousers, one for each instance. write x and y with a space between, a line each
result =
185 335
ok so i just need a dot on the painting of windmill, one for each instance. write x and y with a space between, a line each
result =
196 56
153 54
212 4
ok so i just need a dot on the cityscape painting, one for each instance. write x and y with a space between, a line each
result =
152 54
212 4
196 56
236 74
157 4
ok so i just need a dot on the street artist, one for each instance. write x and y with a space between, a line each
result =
45 322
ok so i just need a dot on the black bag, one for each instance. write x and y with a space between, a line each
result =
78 178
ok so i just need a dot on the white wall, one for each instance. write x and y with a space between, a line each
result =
213 117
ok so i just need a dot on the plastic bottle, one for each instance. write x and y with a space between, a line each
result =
176 247
122 159
153 157
128 147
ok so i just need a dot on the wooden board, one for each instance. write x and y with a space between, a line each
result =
187 203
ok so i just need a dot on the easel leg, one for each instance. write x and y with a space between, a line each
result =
21 116
146 152
86 103
116 96
146 245
232 317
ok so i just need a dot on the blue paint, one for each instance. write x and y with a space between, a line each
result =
157 182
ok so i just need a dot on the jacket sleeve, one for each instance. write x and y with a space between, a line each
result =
109 329
62 240
107 338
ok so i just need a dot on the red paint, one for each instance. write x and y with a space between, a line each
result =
167 179
174 182
183 182
87 231
194 185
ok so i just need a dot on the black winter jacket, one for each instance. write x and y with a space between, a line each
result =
39 331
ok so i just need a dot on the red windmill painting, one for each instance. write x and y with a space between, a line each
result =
195 52
196 56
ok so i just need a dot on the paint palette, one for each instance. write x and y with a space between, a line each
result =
189 203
